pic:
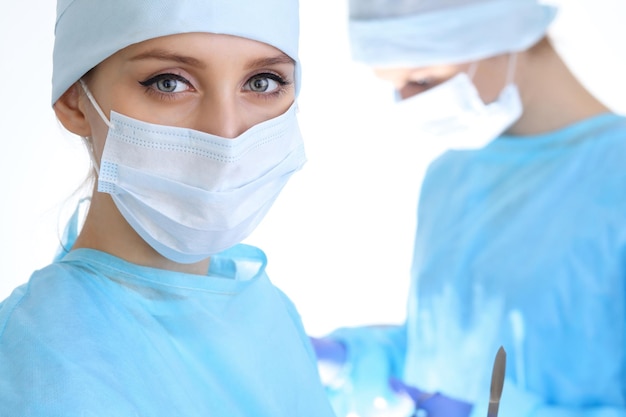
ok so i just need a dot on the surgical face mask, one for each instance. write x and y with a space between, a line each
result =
453 116
191 194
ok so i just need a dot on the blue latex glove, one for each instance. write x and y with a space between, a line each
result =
329 350
434 404
361 390
331 357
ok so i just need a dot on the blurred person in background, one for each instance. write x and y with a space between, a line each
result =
521 227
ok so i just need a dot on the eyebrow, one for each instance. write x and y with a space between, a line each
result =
164 55
268 62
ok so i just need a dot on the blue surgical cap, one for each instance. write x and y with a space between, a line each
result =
418 33
89 31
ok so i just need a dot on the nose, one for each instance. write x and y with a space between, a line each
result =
222 116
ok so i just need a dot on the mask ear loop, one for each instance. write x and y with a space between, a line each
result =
471 71
89 140
510 74
95 103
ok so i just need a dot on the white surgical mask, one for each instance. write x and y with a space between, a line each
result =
191 194
453 116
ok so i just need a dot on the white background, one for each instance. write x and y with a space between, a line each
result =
339 239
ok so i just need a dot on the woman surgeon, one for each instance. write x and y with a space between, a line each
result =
153 308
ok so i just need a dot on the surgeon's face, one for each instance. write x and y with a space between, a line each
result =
488 75
218 84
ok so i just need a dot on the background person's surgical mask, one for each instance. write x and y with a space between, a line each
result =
453 116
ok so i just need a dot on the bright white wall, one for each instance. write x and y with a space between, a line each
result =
339 239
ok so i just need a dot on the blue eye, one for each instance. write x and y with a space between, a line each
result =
167 83
264 83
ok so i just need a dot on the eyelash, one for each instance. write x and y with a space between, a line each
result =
150 82
282 84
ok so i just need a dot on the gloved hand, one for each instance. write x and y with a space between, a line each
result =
360 388
433 404
330 350
331 358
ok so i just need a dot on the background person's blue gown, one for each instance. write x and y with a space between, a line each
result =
92 335
520 244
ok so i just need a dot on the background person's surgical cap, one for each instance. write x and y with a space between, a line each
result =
89 31
418 33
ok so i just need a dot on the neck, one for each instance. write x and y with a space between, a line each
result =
106 230
551 95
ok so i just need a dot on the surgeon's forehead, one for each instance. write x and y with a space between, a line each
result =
184 47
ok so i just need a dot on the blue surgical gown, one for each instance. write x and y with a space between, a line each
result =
93 335
520 244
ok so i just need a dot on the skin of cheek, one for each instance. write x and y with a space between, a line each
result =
491 77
